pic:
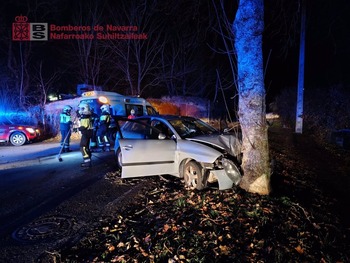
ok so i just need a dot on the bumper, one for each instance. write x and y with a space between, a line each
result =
224 181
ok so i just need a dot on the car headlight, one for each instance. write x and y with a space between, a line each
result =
30 130
232 171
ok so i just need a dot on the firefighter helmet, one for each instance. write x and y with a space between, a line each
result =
84 109
105 108
67 109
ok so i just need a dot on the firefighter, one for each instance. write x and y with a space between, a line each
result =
102 132
65 127
86 130
95 119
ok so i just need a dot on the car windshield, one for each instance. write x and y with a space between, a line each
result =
188 128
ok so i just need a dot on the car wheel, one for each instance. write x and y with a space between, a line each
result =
18 139
118 156
193 176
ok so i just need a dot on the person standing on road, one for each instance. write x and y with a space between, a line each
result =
95 121
102 132
86 130
65 127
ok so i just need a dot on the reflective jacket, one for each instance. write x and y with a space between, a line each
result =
105 119
65 121
85 123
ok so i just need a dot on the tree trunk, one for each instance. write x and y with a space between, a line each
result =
248 27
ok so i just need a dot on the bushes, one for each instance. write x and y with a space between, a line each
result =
180 105
325 110
165 107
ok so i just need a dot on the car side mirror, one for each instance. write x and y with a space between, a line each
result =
161 136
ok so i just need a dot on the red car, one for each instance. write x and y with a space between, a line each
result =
18 135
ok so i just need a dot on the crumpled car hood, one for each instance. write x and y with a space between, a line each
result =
228 142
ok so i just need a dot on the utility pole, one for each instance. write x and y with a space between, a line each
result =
300 95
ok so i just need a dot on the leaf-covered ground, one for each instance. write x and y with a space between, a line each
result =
305 219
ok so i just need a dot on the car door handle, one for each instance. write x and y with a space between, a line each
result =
127 147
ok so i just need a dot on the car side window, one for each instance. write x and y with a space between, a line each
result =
162 127
140 128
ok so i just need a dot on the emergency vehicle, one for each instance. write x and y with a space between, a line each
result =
120 105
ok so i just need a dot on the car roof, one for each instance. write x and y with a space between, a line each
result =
166 117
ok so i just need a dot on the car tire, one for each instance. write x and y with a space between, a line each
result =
118 156
193 176
18 139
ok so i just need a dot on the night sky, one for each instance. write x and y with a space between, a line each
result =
327 48
327 40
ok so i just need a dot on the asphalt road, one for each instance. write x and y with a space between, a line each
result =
46 203
10 156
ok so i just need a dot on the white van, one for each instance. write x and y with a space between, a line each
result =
120 105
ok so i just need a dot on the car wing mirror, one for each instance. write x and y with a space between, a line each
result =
227 130
161 136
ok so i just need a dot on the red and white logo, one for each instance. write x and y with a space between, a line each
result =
23 31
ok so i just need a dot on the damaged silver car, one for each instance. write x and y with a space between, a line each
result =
184 147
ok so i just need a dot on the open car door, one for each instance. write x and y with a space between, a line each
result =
145 157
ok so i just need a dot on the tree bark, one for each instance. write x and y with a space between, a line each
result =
248 27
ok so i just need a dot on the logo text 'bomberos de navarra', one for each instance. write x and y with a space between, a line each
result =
23 31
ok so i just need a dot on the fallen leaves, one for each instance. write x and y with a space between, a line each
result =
175 225
299 249
167 223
